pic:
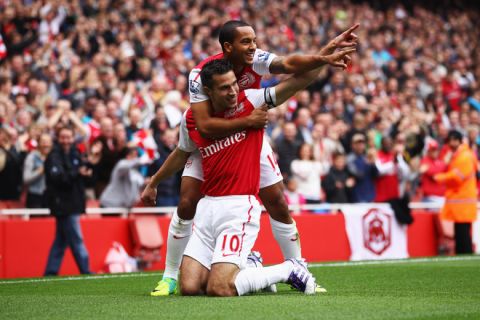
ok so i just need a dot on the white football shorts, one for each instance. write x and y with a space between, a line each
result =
269 171
225 230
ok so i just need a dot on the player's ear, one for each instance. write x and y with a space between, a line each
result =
227 47
207 90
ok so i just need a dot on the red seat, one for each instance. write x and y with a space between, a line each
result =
147 240
93 203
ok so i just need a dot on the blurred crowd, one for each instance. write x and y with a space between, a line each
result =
116 71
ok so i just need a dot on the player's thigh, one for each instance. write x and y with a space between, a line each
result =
202 243
189 196
269 171
221 281
193 277
274 201
236 230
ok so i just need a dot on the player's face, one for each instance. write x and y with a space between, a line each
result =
242 50
224 91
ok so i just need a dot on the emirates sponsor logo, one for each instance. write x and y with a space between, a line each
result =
221 144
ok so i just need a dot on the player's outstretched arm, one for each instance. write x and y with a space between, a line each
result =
174 163
298 63
213 127
287 88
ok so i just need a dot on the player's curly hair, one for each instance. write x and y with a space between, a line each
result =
214 67
227 31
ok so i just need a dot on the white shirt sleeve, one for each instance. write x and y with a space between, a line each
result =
184 142
386 168
259 97
261 62
195 87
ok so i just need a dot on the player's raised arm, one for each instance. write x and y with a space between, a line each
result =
289 87
299 63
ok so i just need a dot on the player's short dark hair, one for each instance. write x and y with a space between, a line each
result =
454 135
228 30
214 67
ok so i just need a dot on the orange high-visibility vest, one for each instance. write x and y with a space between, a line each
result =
461 182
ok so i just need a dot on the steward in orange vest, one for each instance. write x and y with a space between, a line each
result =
461 191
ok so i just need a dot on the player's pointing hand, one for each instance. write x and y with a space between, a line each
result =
340 59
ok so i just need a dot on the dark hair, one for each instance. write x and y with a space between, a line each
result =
454 135
214 67
65 127
337 154
312 156
227 31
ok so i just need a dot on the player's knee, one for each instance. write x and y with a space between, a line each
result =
190 288
272 196
220 289
186 208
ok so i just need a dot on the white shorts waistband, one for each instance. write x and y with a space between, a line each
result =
239 197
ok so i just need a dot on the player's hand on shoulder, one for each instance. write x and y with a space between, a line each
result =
258 118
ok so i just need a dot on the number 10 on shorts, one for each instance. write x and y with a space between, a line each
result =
230 244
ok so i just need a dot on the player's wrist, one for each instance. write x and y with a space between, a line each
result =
152 184
321 60
248 123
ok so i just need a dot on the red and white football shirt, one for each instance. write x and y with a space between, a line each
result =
231 165
249 78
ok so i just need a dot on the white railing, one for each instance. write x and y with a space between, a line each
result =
124 212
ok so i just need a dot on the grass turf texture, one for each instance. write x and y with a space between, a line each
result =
411 289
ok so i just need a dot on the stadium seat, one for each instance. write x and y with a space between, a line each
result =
93 203
147 240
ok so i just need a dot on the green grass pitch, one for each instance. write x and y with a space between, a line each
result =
439 288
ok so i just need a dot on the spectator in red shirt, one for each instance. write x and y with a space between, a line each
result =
430 166
390 166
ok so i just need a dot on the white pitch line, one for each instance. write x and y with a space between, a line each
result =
312 265
398 261
94 277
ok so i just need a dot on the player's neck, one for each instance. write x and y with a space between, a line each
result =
238 68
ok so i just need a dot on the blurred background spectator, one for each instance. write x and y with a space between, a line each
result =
11 162
431 164
34 173
338 182
125 182
293 197
307 173
361 165
66 172
461 191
